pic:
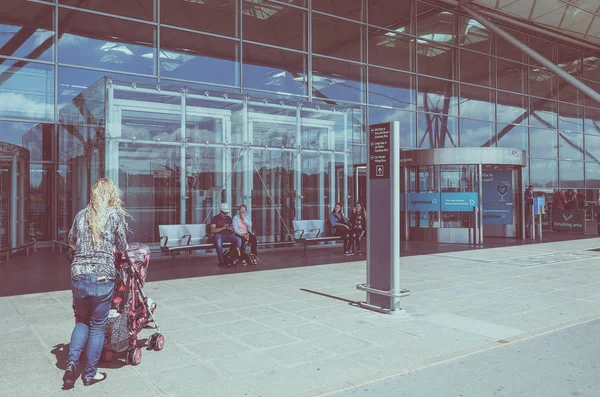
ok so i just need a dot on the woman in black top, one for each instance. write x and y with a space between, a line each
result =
358 223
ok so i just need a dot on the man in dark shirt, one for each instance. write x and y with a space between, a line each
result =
222 229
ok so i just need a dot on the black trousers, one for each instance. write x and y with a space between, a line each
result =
252 241
355 235
345 234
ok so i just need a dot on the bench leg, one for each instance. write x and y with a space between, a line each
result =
172 258
305 245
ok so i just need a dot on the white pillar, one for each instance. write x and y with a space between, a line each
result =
182 165
298 167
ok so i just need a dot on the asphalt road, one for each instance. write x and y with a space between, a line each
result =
564 363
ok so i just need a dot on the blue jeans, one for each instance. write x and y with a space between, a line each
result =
225 238
91 300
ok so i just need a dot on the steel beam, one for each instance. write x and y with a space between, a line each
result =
532 53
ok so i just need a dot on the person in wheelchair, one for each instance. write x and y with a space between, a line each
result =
242 226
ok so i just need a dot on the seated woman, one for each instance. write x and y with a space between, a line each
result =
358 222
340 226
242 226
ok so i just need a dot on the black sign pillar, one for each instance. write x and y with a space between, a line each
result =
383 218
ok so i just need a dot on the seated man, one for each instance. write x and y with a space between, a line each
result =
222 229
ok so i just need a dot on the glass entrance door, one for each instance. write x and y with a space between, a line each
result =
500 193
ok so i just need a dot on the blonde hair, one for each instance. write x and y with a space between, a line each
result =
105 195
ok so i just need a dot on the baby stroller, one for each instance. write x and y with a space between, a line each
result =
131 311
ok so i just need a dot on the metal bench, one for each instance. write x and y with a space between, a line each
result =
185 238
312 231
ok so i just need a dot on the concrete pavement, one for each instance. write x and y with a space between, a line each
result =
296 332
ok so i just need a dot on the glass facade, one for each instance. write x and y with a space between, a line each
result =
190 103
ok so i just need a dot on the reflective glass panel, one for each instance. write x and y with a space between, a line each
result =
26 90
436 24
570 145
108 43
337 38
476 69
547 49
407 121
543 173
571 174
544 143
275 24
391 14
570 117
272 69
351 9
475 133
592 175
591 121
512 136
542 83
27 30
506 50
192 56
512 108
436 60
591 67
512 76
592 147
543 113
391 88
438 96
41 197
474 36
37 138
334 79
216 16
138 9
590 101
570 60
436 131
390 49
477 103
568 93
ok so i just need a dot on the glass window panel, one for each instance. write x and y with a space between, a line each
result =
206 118
544 173
108 43
437 96
26 90
592 175
436 60
542 83
544 143
570 145
590 101
592 147
546 48
184 54
27 30
216 16
37 138
476 69
512 76
436 131
568 93
139 9
334 79
391 88
570 117
477 103
275 24
41 197
436 24
570 60
391 14
591 67
506 50
474 36
571 174
337 38
543 113
512 108
407 121
512 136
272 69
390 49
474 133
591 122
351 9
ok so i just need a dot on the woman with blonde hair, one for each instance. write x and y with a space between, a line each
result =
98 231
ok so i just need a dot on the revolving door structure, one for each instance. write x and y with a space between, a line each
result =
14 195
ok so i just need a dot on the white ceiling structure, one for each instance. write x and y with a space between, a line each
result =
578 18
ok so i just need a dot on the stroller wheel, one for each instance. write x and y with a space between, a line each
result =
106 356
135 356
159 344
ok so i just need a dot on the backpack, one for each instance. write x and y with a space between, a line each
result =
231 256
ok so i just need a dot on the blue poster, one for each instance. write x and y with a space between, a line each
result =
423 202
459 202
497 186
497 214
